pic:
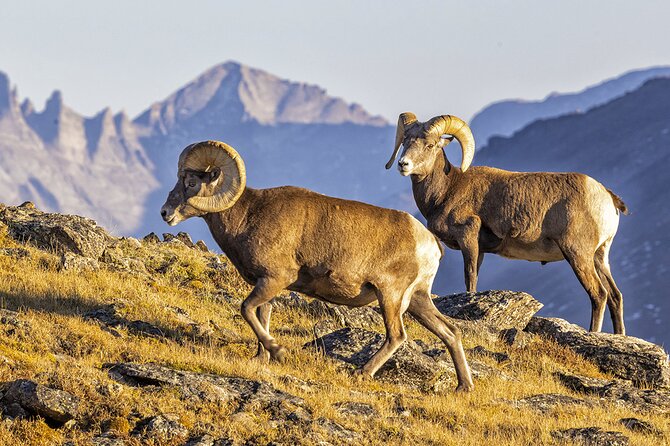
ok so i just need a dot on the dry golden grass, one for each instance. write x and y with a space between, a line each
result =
63 350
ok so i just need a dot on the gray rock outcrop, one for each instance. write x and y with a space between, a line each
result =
24 397
620 392
626 357
59 233
242 393
498 309
590 436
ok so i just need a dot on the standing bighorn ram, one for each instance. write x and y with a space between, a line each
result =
536 216
339 251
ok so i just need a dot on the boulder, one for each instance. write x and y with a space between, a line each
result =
185 239
151 238
165 427
59 233
355 346
626 357
56 406
590 436
242 393
340 315
409 365
619 392
641 426
74 262
355 409
498 309
546 402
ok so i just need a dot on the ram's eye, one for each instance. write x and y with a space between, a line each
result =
191 183
430 146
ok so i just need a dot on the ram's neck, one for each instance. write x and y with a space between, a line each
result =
431 191
228 225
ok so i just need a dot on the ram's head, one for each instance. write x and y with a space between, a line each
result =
210 178
422 140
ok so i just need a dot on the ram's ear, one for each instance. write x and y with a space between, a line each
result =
445 140
214 175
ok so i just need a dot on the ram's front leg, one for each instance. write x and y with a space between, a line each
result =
263 313
468 242
263 292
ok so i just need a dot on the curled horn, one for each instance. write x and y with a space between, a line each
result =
448 124
404 120
205 157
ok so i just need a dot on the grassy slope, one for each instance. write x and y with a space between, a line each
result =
63 350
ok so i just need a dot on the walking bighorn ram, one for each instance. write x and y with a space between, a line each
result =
536 216
335 250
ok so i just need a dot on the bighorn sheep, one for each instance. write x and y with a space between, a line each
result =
339 251
537 216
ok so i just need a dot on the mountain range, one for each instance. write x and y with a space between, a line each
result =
504 118
118 170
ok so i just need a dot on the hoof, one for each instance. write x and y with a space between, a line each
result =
262 356
462 388
360 375
278 353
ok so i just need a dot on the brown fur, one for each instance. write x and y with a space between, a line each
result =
537 216
339 251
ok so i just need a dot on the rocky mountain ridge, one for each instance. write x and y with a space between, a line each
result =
506 117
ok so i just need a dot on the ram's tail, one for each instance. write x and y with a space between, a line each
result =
439 245
618 202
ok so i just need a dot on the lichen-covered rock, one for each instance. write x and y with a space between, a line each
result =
185 239
546 402
409 365
151 238
626 357
355 346
620 392
242 393
590 436
70 261
355 409
641 426
499 309
59 233
161 428
55 405
341 316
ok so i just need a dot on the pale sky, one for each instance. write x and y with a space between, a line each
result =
429 57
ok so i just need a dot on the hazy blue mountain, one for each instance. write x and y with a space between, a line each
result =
506 117
65 162
287 133
625 144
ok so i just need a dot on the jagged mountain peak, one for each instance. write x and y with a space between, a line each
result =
232 93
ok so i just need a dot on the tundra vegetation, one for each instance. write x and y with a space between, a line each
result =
65 317
536 216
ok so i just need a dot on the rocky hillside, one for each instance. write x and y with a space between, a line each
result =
504 118
120 341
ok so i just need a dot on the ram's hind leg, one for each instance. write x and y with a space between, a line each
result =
263 313
582 261
424 311
391 304
614 296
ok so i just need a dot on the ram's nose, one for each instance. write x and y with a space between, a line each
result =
404 165
167 214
